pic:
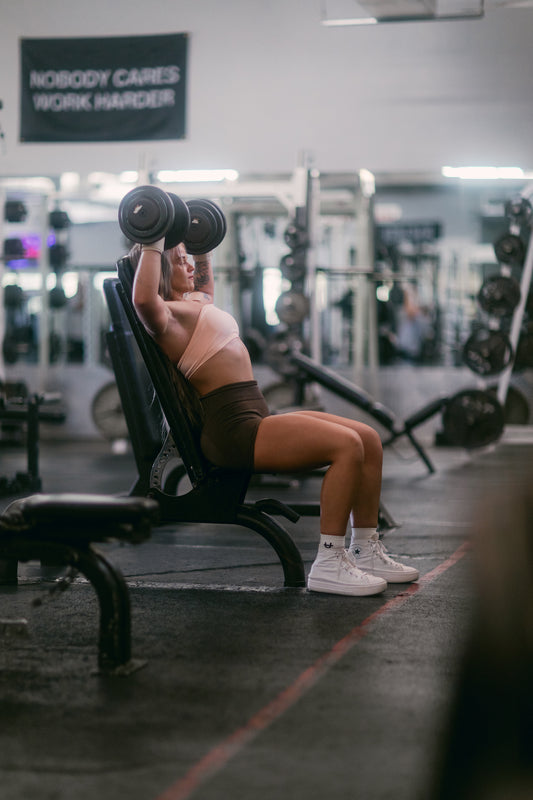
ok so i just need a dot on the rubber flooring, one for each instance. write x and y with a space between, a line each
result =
249 689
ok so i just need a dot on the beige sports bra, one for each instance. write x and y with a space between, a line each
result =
214 329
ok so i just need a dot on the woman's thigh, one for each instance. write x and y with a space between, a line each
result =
369 436
298 441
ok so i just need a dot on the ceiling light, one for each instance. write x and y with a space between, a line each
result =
129 176
341 23
484 173
196 175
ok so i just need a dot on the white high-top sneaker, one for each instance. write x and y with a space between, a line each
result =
334 572
372 558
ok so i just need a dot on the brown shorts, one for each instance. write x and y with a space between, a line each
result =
232 416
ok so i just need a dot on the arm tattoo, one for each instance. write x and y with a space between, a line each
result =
201 274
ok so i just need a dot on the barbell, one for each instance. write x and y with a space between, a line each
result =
147 214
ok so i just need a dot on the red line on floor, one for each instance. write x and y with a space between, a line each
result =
222 753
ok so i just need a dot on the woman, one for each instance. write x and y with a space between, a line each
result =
174 300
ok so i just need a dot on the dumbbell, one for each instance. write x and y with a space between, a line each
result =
147 214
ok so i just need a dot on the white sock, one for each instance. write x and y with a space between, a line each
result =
361 535
328 544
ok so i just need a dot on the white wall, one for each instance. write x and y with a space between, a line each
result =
267 81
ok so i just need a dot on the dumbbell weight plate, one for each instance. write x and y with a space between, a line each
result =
182 220
487 352
145 214
207 227
499 295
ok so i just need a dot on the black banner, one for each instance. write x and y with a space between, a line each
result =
103 89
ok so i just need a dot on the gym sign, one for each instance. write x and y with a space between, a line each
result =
101 90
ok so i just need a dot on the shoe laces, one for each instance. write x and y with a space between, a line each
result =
379 550
351 566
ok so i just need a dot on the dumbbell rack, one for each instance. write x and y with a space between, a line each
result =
518 315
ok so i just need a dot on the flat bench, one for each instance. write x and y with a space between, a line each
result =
62 529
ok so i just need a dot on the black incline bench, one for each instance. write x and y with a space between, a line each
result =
150 404
62 530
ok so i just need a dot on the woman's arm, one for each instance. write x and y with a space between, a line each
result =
204 281
149 305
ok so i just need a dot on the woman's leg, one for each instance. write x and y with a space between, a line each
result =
365 503
296 442
300 441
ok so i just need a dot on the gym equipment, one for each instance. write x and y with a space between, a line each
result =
15 211
62 529
292 264
516 410
519 211
147 214
207 227
107 413
524 352
473 418
58 220
217 495
295 236
510 249
487 352
58 255
13 249
478 435
13 296
312 370
292 307
277 351
21 409
499 295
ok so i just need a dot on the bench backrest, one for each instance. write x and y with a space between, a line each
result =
183 433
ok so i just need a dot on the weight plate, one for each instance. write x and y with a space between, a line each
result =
510 249
277 353
292 265
207 227
145 214
519 211
499 295
295 236
516 411
182 220
15 211
292 307
473 418
107 413
487 352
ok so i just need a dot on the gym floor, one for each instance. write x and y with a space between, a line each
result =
250 690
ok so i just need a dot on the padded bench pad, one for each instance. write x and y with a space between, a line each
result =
80 517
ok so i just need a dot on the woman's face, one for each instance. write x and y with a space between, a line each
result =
182 269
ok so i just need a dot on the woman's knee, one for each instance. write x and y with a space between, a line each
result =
350 448
372 444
